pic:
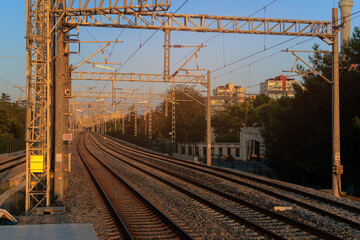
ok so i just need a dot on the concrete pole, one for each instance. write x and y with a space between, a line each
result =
337 168
345 8
61 148
208 121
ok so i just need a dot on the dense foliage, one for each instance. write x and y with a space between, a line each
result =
190 116
298 135
227 124
12 118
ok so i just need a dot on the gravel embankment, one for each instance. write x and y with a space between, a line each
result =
83 203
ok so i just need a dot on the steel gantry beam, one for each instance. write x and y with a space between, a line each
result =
88 8
205 23
136 77
118 95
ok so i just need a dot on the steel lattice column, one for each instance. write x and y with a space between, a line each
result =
39 52
135 121
167 55
173 120
123 125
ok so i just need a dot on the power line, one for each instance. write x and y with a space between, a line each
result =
218 34
262 8
227 65
259 51
148 39
7 81
261 59
23 59
251 55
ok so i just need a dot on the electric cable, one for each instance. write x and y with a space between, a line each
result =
14 58
261 59
262 50
266 50
148 39
218 34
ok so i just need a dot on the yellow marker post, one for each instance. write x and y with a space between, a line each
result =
37 163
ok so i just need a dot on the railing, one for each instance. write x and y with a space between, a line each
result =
163 146
9 145
257 167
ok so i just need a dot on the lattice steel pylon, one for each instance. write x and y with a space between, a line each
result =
39 54
44 18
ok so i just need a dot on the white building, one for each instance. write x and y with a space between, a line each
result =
251 143
278 87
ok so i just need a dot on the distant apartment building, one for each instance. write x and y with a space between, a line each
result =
278 87
227 95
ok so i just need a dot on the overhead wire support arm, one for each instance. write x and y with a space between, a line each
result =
194 54
193 99
85 60
308 65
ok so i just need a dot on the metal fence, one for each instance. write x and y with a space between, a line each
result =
165 146
162 145
257 167
9 145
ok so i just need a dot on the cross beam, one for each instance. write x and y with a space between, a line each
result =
135 95
137 77
88 8
205 23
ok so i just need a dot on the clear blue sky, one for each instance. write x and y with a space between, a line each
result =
224 49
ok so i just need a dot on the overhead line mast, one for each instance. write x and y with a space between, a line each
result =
46 70
45 18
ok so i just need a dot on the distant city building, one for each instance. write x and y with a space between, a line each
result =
227 95
229 90
278 87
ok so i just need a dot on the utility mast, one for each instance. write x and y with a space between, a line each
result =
47 83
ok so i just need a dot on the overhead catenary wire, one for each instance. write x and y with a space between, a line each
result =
265 49
256 53
148 39
14 58
244 58
261 59
218 34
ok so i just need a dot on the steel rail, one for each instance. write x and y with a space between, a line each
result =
289 221
118 221
12 159
161 216
205 169
12 166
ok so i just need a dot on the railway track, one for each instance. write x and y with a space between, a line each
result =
16 161
264 221
330 208
134 215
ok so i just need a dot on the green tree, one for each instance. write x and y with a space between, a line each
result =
227 124
190 115
12 118
298 133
